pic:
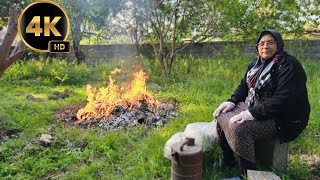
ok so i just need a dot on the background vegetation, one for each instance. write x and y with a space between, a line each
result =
198 85
171 25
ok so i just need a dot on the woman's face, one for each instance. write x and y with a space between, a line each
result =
267 46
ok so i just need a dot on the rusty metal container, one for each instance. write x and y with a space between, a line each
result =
186 161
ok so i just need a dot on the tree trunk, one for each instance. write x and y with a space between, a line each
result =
163 66
169 66
137 47
7 60
77 51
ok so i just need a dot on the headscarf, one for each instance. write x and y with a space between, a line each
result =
259 75
276 35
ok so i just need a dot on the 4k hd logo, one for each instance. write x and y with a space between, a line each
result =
44 27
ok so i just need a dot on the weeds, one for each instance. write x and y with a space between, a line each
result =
55 73
198 85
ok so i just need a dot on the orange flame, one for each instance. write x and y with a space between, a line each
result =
101 104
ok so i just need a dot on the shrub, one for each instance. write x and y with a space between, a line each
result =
23 70
57 72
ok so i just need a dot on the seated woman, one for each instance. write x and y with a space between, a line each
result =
271 101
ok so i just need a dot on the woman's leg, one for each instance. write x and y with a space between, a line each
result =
241 137
228 156
244 165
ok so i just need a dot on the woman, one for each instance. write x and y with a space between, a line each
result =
271 101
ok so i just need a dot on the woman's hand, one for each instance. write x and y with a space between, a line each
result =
241 117
223 107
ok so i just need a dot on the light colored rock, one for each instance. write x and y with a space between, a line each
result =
46 138
311 160
262 175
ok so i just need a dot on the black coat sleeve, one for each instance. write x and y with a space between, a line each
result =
290 82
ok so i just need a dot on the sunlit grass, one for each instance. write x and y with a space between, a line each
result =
198 85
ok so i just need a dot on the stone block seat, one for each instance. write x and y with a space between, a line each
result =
272 154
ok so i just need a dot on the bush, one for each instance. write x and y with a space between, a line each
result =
61 72
23 70
57 72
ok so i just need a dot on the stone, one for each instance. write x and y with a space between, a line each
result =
272 153
262 175
46 138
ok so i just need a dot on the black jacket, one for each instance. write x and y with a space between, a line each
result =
286 101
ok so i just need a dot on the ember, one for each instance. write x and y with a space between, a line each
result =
113 107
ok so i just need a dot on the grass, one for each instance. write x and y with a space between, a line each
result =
198 85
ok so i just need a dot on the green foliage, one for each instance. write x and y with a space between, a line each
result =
198 85
86 15
24 70
58 72
245 19
5 5
64 73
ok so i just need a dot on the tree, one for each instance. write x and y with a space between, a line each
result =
243 20
7 60
84 14
175 24
132 20
5 6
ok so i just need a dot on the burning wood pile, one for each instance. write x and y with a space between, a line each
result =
113 107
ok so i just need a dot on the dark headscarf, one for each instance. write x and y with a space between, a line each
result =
276 35
259 76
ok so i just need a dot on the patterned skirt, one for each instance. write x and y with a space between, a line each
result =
242 136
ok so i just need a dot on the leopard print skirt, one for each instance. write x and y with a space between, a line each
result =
242 136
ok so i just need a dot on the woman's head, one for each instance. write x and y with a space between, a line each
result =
269 43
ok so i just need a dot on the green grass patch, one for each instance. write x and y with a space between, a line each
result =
198 85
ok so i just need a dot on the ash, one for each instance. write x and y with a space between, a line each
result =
123 116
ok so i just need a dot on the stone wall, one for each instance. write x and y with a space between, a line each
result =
95 53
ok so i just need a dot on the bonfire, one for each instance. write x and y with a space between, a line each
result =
113 107
106 100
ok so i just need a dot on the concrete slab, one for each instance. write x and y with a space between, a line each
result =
261 175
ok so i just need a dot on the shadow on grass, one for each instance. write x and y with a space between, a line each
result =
295 171
212 173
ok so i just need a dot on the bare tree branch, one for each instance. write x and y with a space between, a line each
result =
17 52
192 41
159 3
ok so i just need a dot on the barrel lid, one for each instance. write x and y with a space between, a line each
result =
187 150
